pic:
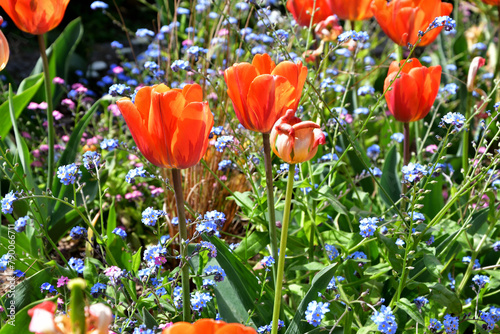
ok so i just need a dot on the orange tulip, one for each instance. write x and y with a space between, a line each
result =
302 10
35 16
413 93
4 49
492 2
401 20
262 92
295 141
354 10
208 326
169 126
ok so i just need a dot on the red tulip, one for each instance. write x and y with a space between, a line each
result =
295 141
208 326
262 92
169 126
413 93
302 10
35 16
354 10
401 20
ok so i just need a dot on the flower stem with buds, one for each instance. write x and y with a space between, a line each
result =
181 215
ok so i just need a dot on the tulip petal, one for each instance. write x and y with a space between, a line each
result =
296 75
235 329
166 109
180 328
263 63
138 129
403 99
190 138
193 93
35 17
238 78
269 97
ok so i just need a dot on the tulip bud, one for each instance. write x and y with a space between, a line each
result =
100 317
4 49
477 62
295 141
329 29
42 318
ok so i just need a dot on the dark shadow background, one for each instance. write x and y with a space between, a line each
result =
99 32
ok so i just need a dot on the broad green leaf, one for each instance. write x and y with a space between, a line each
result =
326 193
149 320
240 290
252 245
442 296
111 224
378 269
90 270
479 218
312 266
397 264
319 283
390 181
411 310
20 101
433 265
136 260
433 201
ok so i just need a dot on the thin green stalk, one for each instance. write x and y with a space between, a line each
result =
400 53
465 140
418 147
273 234
50 118
179 199
406 153
281 258
497 66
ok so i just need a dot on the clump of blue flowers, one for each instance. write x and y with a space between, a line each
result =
385 320
151 216
211 222
67 174
7 202
450 324
368 226
316 312
199 300
453 118
331 251
91 160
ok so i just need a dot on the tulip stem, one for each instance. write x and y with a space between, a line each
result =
50 118
179 200
406 152
270 197
281 258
